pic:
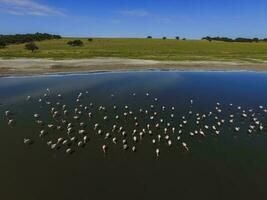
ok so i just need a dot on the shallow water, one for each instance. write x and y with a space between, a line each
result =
230 165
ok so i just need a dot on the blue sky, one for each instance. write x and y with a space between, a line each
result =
136 18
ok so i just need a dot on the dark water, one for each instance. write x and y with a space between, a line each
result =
230 165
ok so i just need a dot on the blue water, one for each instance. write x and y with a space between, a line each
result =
227 166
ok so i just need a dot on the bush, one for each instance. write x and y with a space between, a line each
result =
31 46
149 37
75 43
2 45
256 39
177 38
90 39
207 38
164 38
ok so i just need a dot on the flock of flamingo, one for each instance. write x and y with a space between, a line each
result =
72 127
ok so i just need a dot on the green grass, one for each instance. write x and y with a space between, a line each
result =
155 49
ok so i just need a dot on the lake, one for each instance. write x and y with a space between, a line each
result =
209 128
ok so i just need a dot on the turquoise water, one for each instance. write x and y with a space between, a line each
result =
231 165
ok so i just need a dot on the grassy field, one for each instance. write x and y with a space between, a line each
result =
154 49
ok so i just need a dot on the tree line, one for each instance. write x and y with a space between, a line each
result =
240 39
25 38
165 38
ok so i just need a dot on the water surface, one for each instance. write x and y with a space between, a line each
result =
230 165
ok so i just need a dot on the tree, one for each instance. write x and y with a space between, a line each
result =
2 45
226 39
177 38
90 39
207 38
31 46
256 39
75 43
243 40
164 38
149 37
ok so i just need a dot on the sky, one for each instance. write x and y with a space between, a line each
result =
136 18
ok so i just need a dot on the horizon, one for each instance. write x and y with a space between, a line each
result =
192 19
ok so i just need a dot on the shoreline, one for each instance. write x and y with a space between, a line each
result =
28 66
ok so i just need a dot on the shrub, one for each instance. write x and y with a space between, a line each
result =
2 45
31 46
75 43
256 39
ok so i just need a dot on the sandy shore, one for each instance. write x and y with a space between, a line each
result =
21 66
